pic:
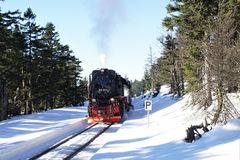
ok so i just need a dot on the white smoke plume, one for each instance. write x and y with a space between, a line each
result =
105 17
103 60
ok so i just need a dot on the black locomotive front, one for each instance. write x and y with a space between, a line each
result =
104 85
108 96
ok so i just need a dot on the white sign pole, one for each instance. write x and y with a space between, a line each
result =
148 118
148 108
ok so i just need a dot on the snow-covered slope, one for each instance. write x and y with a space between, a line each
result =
133 139
25 136
163 139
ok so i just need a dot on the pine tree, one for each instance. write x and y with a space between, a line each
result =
37 72
147 80
137 87
171 54
32 33
8 57
225 35
208 33
163 73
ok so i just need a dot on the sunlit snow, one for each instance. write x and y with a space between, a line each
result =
24 136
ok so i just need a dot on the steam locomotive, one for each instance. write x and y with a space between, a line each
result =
109 96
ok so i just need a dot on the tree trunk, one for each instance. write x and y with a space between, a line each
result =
25 99
207 84
3 100
176 79
182 82
51 102
220 103
30 105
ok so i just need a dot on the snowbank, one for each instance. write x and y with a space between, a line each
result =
24 136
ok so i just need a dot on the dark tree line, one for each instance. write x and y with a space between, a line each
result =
37 72
201 54
137 87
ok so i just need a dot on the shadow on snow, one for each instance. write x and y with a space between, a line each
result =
170 150
159 103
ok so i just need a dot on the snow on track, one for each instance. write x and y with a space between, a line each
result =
74 144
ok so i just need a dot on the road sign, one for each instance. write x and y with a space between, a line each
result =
148 105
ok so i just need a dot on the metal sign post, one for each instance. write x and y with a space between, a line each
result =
148 108
148 118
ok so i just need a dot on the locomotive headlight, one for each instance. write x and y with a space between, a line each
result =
112 99
94 100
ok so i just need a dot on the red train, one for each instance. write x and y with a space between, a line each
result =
109 96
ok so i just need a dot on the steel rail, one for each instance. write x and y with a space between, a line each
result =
78 150
60 143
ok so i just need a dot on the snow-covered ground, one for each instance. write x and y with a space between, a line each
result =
23 136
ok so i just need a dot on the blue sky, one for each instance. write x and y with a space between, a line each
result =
123 30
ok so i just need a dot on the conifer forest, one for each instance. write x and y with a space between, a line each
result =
200 56
37 72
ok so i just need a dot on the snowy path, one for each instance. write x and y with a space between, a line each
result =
25 136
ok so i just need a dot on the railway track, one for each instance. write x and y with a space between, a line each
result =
71 146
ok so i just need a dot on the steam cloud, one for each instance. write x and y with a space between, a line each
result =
103 60
108 12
